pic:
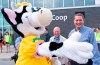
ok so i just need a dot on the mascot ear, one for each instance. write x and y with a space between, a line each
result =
9 15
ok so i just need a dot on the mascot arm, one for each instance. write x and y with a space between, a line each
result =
71 48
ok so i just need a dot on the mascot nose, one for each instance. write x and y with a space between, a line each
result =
45 16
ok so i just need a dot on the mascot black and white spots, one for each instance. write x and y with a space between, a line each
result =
29 22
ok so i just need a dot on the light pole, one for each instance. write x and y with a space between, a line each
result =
2 19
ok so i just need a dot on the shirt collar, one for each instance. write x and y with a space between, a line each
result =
81 28
58 38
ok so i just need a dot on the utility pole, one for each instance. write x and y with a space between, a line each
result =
2 19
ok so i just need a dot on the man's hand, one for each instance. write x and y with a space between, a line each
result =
78 51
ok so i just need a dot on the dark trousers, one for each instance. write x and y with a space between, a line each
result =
98 46
15 57
90 62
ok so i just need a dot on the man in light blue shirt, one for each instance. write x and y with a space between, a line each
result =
17 42
87 36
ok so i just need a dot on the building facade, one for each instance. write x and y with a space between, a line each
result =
52 4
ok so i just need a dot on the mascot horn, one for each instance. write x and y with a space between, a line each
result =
29 22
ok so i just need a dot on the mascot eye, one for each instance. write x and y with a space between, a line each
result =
37 28
35 9
41 11
26 16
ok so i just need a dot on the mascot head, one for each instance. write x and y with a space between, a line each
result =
28 20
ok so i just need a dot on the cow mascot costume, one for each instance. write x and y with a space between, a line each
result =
29 22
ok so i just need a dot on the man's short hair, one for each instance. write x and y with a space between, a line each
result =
46 29
80 14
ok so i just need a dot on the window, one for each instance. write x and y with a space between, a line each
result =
38 3
89 2
97 2
30 1
19 1
79 2
5 23
0 4
58 3
48 3
68 3
5 3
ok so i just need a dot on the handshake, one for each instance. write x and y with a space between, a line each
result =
71 48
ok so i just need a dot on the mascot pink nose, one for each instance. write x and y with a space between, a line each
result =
45 16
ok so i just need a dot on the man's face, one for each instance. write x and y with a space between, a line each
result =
56 32
78 21
6 33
